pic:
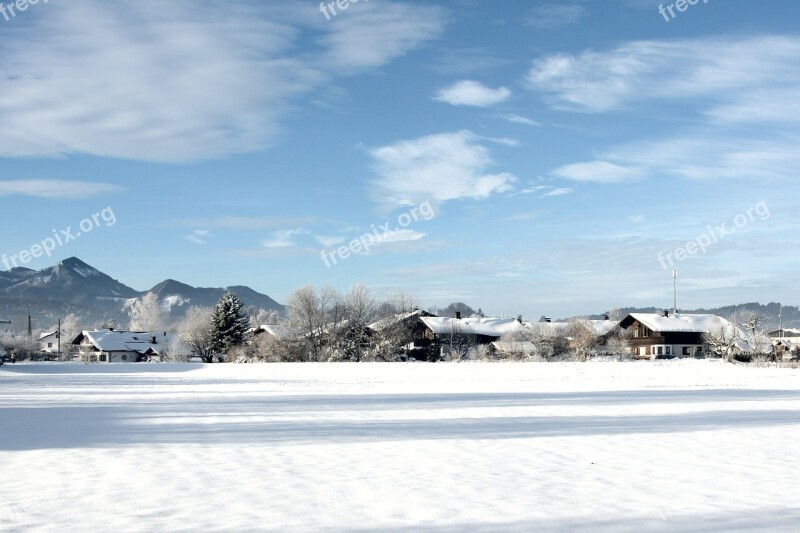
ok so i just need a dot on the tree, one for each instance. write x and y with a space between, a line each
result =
146 314
722 341
195 332
582 336
228 323
260 316
753 323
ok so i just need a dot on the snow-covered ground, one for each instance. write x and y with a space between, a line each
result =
673 446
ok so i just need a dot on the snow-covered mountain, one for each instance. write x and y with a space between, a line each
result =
78 287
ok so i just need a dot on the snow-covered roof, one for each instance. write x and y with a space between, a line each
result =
601 327
127 341
47 334
276 330
489 327
785 332
692 323
394 319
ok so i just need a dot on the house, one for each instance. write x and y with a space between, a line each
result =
463 333
277 331
114 346
665 335
518 348
4 322
785 342
48 342
406 330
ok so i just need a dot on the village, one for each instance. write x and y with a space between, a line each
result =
419 335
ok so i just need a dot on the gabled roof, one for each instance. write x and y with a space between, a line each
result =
47 334
489 327
689 323
276 330
126 341
396 319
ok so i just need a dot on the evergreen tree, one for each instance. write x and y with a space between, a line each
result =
229 323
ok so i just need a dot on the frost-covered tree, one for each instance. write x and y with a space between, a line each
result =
195 332
752 322
582 338
722 341
228 323
146 314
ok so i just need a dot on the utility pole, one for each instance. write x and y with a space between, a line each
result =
780 317
674 291
58 337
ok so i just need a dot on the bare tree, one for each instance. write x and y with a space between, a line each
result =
753 323
260 316
195 332
582 336
722 341
146 314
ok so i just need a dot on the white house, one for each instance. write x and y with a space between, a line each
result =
112 346
48 342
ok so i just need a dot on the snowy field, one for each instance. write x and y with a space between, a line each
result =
673 446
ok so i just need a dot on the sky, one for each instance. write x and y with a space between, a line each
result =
534 158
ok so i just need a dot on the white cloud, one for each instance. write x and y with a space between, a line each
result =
369 35
554 16
401 235
729 79
57 189
447 166
329 241
598 172
170 82
559 192
518 119
284 238
472 93
198 236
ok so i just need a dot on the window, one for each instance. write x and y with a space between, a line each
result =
49 344
669 350
660 350
687 350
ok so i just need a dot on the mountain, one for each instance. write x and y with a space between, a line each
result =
73 286
72 281
176 297
15 275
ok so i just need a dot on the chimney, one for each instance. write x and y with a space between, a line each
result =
153 340
665 314
458 315
606 317
548 319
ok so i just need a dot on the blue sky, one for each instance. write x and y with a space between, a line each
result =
563 146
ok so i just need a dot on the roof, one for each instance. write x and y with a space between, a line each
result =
276 330
691 323
47 334
489 327
127 341
601 327
389 321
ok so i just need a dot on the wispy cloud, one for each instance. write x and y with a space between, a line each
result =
57 189
518 119
145 80
472 93
329 241
198 236
727 79
242 223
447 166
598 172
555 16
559 192
284 238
